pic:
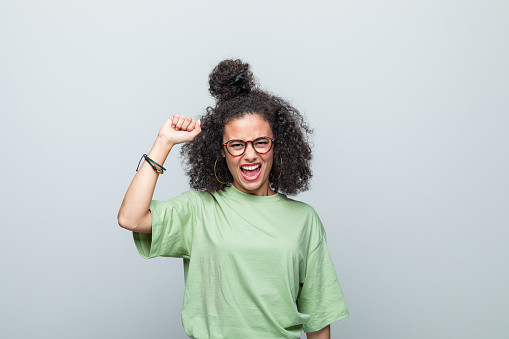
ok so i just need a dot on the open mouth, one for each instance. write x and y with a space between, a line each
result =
251 172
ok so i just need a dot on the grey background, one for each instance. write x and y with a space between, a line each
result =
409 102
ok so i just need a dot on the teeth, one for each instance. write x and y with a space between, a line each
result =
250 168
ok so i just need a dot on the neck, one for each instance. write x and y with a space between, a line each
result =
263 191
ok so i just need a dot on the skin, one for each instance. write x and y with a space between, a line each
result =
134 213
324 333
179 128
249 127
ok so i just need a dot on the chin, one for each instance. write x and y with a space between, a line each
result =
251 187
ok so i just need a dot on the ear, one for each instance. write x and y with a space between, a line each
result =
222 153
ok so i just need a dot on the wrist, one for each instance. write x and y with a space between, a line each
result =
160 150
163 143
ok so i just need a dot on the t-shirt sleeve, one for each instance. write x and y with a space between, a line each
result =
320 294
172 228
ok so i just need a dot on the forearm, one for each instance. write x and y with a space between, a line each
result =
138 197
324 333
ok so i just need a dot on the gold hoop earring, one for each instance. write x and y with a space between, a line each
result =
224 183
280 172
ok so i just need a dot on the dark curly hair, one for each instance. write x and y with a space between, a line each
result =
234 87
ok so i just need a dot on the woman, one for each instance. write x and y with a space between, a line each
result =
251 255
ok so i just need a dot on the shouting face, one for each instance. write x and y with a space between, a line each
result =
250 170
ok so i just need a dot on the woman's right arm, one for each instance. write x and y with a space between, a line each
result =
134 213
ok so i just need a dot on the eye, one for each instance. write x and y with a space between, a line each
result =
262 142
236 144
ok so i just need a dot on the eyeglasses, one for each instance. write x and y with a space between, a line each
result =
261 145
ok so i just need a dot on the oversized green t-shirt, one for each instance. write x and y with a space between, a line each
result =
254 266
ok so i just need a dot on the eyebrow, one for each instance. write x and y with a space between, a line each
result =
261 136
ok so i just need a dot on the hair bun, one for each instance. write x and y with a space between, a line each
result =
229 79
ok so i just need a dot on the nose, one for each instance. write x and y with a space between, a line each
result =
250 153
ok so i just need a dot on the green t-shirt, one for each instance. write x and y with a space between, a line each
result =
254 266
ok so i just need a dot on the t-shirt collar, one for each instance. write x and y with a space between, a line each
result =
235 193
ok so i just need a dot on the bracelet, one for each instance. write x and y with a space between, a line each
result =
148 159
151 163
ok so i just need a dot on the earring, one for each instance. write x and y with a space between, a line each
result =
280 172
224 183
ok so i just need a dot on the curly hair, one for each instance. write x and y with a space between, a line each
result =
237 94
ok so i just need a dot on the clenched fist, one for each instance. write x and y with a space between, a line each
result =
179 128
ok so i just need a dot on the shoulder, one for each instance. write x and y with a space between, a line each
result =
307 213
190 197
300 206
197 197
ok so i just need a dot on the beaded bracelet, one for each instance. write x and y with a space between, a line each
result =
151 163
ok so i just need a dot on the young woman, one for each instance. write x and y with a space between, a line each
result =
256 263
